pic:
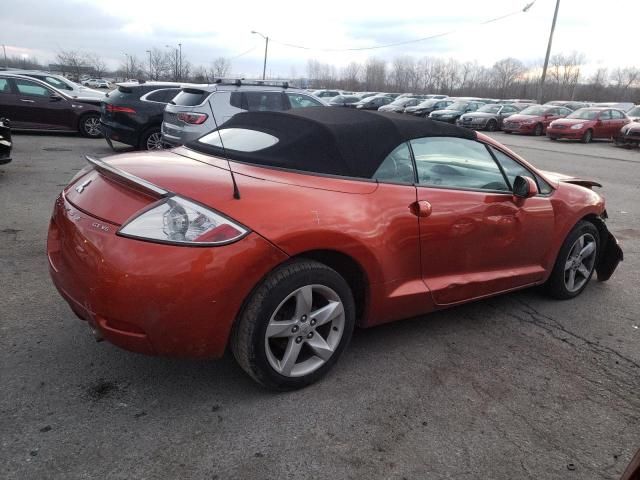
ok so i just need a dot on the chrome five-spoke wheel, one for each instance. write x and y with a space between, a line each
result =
580 262
305 330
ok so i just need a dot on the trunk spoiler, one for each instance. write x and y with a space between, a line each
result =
138 182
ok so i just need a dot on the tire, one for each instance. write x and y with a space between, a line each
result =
538 130
560 284
492 126
89 126
282 301
151 139
587 137
508 132
553 139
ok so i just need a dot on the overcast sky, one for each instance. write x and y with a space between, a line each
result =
606 32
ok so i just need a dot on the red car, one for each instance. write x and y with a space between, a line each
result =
534 120
586 124
280 232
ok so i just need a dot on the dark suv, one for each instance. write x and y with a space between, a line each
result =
132 114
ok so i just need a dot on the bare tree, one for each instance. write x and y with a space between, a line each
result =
97 64
351 76
220 67
71 61
506 72
375 74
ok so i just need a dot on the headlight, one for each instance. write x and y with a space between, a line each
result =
177 220
577 126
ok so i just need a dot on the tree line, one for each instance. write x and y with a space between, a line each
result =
506 78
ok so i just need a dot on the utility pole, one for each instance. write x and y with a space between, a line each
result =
180 72
6 64
126 66
266 48
150 70
546 58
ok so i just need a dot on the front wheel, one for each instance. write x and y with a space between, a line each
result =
575 263
295 325
90 126
151 140
587 137
538 130
492 125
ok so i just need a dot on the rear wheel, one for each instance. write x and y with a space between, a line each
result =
492 125
538 130
151 140
294 326
89 126
576 262
553 139
587 137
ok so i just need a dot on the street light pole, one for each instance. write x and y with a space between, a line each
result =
126 66
6 64
150 70
180 72
266 48
546 58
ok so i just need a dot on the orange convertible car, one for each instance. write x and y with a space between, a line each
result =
279 232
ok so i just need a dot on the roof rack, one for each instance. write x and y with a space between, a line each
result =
258 83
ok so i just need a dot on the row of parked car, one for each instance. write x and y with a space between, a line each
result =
557 119
152 115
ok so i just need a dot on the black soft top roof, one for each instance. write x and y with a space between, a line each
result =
337 141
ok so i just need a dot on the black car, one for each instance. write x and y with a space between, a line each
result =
132 114
426 107
34 105
343 100
453 112
5 141
372 103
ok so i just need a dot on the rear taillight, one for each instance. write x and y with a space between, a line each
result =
193 118
118 109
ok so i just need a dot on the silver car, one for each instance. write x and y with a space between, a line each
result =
191 113
74 90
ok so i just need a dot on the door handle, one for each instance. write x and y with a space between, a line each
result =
421 208
27 101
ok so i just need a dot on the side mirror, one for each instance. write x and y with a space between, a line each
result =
54 97
524 187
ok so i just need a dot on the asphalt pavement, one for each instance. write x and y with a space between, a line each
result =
514 387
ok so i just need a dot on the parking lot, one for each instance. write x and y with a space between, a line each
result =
517 386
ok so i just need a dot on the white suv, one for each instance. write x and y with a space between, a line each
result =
191 113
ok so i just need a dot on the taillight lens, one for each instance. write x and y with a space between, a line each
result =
180 221
193 118
119 109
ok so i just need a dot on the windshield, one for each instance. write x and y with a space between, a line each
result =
584 114
458 106
535 110
428 103
401 102
490 109
634 112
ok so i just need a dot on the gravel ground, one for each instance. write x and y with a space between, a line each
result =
517 386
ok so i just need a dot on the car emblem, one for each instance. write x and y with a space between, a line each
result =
80 188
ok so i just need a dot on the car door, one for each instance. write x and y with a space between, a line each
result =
619 120
604 127
43 108
476 238
9 103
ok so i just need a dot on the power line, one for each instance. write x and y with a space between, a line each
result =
244 53
406 42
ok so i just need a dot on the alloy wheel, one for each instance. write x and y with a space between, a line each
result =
92 126
305 330
580 262
154 141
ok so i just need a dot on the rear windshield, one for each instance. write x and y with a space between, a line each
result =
122 93
190 97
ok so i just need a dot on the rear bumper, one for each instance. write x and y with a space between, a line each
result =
151 298
119 133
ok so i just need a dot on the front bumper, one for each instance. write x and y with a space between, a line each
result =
567 133
474 124
152 298
446 120
519 127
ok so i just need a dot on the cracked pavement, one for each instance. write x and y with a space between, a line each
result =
516 386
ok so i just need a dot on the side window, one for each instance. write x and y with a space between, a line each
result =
163 96
606 115
31 89
54 82
456 163
263 101
301 101
236 100
565 111
4 86
512 169
507 109
397 167
616 115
